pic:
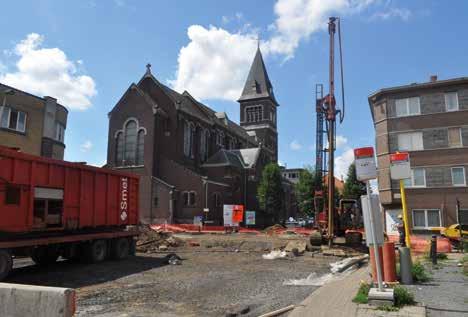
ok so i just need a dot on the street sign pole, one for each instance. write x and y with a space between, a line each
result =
405 213
374 238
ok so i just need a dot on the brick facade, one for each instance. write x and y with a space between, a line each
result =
442 138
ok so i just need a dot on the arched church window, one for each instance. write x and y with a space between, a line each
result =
189 136
140 147
204 144
130 142
119 149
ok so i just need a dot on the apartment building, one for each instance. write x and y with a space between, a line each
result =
291 174
35 125
430 121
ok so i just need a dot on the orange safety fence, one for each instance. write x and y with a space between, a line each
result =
191 228
421 244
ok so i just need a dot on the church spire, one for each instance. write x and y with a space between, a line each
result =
258 84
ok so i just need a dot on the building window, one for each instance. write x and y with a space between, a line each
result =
204 144
407 107
451 101
458 176
13 119
140 153
426 218
129 144
220 139
418 178
410 141
254 113
189 135
189 198
59 132
119 150
455 137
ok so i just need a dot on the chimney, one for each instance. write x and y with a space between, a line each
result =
433 78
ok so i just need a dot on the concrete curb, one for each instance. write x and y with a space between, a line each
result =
18 300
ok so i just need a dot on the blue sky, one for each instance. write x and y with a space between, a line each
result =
86 53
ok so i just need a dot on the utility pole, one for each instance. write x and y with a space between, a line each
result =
331 118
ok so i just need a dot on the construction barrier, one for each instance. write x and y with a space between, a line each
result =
421 244
389 263
191 228
18 300
372 261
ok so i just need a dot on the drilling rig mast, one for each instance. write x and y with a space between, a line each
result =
330 111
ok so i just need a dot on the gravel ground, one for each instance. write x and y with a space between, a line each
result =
207 283
446 294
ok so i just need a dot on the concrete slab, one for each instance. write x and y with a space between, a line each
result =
18 300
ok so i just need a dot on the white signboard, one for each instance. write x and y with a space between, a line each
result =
400 166
366 168
378 220
227 215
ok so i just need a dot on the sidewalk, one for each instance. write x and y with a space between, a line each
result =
335 299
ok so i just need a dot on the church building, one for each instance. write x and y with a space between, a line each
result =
191 159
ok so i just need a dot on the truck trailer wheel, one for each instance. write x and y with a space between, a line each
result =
45 255
6 264
96 251
120 248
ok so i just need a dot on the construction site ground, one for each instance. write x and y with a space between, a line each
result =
219 275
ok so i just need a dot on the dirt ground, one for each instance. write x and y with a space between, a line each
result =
212 280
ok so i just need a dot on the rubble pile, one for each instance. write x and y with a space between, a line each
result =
151 240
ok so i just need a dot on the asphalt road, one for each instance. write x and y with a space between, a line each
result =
207 283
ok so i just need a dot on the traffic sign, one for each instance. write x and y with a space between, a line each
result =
400 166
366 168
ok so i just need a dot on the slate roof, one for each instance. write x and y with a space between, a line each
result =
248 156
224 158
258 83
243 158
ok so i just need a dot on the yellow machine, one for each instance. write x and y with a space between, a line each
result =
453 231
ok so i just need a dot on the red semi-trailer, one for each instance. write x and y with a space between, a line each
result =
51 208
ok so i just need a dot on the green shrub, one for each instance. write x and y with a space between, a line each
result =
362 293
402 296
419 273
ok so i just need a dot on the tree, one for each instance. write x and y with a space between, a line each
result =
353 188
270 191
305 191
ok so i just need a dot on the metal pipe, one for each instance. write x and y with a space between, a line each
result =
375 247
331 115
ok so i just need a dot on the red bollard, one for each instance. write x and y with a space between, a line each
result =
372 261
389 262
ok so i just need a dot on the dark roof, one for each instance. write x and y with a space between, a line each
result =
6 87
224 158
430 84
258 84
249 157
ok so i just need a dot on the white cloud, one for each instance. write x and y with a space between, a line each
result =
341 141
48 71
342 163
400 13
295 145
298 19
215 62
86 146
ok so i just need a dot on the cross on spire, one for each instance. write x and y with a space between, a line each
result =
148 69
